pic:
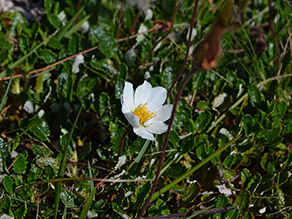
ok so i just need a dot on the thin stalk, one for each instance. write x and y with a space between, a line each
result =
62 167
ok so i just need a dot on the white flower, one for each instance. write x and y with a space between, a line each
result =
144 111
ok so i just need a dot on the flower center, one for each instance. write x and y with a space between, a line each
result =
143 114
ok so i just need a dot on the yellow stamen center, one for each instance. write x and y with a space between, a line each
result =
143 114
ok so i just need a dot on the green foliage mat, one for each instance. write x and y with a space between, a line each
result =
228 153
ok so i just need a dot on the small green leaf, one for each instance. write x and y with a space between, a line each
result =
198 81
123 70
20 212
23 43
250 125
55 44
8 184
288 125
203 120
106 42
52 8
117 208
192 191
39 128
5 47
4 155
20 165
68 198
116 134
104 103
47 161
203 105
73 44
175 170
254 94
243 200
166 77
48 56
65 82
40 150
34 173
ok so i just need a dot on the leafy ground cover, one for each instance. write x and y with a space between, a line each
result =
67 149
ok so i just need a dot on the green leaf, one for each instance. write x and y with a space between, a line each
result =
117 208
39 128
47 161
5 157
20 165
106 42
119 86
8 184
5 47
166 77
20 212
203 105
198 81
175 170
48 56
192 191
243 200
23 43
65 82
187 145
34 173
68 198
104 103
40 150
73 44
203 120
52 7
55 44
250 125
254 94
288 125
116 134
223 201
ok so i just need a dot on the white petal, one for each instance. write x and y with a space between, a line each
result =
142 93
164 113
156 127
127 99
141 131
157 98
132 119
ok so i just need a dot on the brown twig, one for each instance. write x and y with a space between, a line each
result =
165 142
274 37
188 49
52 65
120 19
